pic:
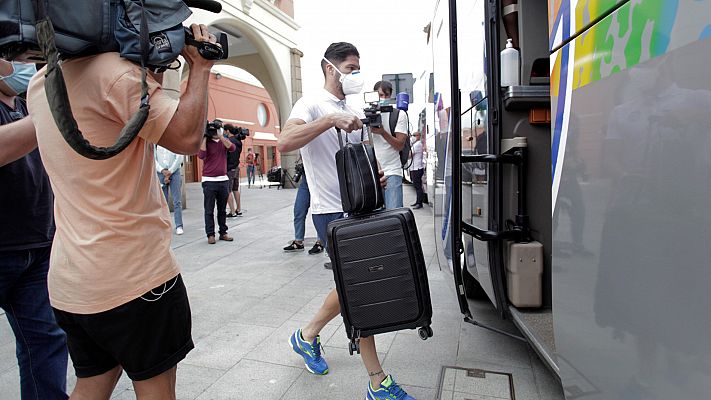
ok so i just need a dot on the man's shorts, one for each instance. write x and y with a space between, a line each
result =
146 336
233 175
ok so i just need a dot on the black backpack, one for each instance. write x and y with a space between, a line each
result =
405 152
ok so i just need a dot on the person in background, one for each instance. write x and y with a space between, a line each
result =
387 147
250 167
417 169
301 210
233 173
26 234
215 186
168 169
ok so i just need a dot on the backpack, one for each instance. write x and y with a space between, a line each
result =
407 149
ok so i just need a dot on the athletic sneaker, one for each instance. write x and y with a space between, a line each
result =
179 230
388 390
311 352
294 246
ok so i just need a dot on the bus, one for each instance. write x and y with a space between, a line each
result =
577 201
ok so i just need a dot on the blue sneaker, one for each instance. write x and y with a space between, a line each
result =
311 353
388 390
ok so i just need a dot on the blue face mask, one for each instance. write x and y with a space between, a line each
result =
20 77
384 102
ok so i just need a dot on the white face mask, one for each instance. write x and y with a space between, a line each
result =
351 83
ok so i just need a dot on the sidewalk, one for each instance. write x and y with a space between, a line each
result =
248 296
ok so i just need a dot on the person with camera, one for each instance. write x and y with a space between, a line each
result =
236 136
168 169
387 147
215 183
26 233
113 281
312 128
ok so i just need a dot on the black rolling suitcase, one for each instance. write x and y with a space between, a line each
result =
380 274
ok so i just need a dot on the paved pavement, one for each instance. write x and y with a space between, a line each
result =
248 296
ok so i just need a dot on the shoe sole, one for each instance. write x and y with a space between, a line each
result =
293 347
292 251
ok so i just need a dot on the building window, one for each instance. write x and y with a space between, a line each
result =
262 115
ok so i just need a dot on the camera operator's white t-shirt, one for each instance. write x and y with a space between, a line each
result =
319 155
387 155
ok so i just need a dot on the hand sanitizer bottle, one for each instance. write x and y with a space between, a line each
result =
510 66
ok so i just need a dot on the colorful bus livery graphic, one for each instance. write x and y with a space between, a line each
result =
637 31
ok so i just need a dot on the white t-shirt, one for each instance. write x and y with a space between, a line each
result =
319 155
417 156
387 156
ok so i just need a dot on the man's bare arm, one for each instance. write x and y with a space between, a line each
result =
297 133
186 128
16 140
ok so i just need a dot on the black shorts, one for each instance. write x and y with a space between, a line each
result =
146 336
233 175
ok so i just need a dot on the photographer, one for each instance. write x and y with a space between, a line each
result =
236 136
215 183
387 147
311 127
26 232
114 282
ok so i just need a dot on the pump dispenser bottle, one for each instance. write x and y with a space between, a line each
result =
510 66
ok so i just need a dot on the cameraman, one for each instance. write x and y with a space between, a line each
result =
236 136
114 282
215 183
387 147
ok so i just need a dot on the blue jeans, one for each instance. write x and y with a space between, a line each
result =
301 208
250 174
393 192
321 223
174 186
40 345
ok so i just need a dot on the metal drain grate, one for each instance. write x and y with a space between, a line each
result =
456 383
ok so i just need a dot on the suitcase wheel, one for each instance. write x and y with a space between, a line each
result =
354 347
425 332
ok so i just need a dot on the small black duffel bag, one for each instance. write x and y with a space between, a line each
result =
358 177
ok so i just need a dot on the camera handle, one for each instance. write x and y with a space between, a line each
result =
58 99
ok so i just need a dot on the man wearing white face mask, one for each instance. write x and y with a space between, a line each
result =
312 127
26 235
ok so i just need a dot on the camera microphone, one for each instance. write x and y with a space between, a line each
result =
207 5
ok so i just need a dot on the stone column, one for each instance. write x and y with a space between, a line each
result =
288 160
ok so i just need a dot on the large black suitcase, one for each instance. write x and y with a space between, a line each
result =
380 274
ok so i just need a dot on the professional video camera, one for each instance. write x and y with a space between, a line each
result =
239 132
212 127
373 113
299 170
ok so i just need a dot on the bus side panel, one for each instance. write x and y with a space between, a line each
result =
583 12
631 155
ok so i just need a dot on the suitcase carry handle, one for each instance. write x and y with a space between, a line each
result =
340 134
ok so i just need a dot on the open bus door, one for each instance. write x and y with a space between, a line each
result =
494 153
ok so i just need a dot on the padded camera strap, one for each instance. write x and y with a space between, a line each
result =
58 99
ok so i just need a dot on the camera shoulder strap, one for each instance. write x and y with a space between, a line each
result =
58 99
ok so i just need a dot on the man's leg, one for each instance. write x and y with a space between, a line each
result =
301 209
41 345
208 191
221 195
417 182
369 355
230 198
98 387
175 190
393 192
161 387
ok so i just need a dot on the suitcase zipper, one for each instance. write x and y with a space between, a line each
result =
376 182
